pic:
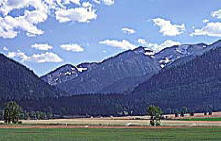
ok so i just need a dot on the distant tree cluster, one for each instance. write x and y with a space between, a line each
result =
12 113
155 114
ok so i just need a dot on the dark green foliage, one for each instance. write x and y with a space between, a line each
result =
12 113
155 115
192 114
195 85
18 82
1 115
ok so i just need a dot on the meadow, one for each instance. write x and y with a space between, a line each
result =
203 119
125 121
99 134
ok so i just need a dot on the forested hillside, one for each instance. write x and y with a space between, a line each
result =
195 84
129 64
18 82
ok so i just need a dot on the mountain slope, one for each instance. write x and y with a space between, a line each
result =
132 63
17 82
195 84
61 74
187 51
128 69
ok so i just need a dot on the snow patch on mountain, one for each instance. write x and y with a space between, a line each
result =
82 69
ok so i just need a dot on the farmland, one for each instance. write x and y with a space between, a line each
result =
139 121
202 119
99 134
112 128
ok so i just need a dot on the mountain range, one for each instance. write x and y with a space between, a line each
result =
92 78
195 84
121 73
186 75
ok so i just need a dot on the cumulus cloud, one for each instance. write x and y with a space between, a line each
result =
42 46
48 57
64 11
82 14
72 47
5 48
124 44
28 22
167 28
72 1
19 54
211 29
142 41
216 14
157 47
106 2
128 30
205 21
45 58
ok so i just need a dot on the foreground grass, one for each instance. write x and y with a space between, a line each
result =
202 119
110 134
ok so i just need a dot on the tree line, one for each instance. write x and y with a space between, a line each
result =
12 113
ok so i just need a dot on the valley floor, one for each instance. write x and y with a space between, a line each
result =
114 129
104 123
122 134
191 121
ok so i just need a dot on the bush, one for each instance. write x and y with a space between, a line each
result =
182 114
152 123
158 123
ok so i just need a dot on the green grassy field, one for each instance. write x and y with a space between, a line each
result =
110 134
202 119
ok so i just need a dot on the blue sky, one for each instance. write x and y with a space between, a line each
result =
45 34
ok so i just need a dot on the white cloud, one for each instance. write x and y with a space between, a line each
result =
87 5
97 1
81 15
45 58
216 14
142 41
157 47
5 48
124 44
64 11
42 46
128 30
10 26
205 21
9 5
211 29
48 57
168 43
72 47
106 2
167 28
18 54
72 1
